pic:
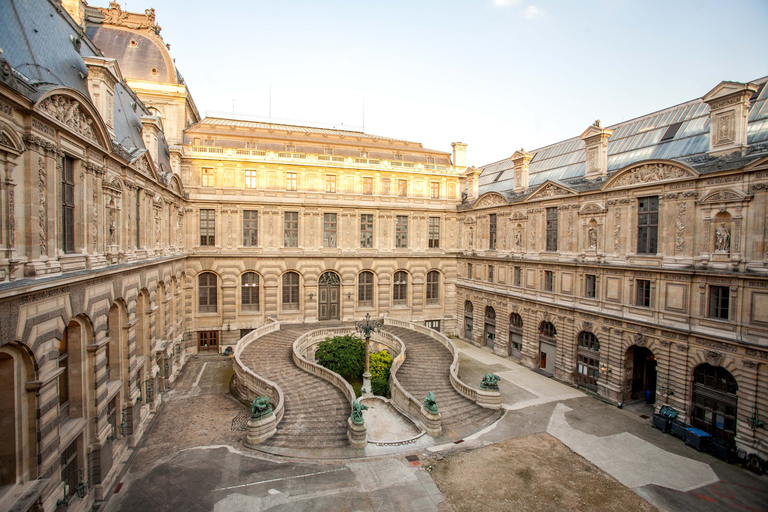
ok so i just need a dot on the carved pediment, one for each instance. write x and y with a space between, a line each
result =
175 184
144 164
469 219
649 172
490 199
74 114
550 189
724 196
519 215
10 139
592 209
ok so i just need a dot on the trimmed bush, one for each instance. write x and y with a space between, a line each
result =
344 355
380 386
381 363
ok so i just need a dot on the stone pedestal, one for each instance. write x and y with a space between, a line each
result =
489 399
260 430
366 389
431 423
357 434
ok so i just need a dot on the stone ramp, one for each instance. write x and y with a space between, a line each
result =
316 412
427 368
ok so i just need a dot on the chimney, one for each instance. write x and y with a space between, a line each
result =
728 111
76 9
471 182
596 145
520 160
151 128
459 154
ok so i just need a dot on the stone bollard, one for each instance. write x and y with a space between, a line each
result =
431 422
261 429
357 434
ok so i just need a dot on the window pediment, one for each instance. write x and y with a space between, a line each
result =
649 172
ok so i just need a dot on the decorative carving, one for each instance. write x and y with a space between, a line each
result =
639 339
519 239
114 15
722 239
67 111
592 233
490 382
649 173
490 200
617 231
725 196
714 358
570 231
94 216
260 407
41 206
680 224
724 128
357 412
587 326
551 190
430 404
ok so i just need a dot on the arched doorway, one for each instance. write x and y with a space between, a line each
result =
714 401
328 296
469 311
8 418
547 347
490 326
642 368
515 336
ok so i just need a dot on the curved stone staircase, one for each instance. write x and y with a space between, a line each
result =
426 368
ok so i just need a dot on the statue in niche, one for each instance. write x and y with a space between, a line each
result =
722 238
471 236
519 239
592 238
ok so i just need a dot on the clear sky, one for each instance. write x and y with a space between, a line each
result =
496 74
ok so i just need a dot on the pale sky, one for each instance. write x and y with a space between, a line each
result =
499 75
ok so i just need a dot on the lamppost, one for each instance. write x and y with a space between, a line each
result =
366 328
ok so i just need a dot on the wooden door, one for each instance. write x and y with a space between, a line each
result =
328 293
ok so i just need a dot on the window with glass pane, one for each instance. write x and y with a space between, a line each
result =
138 218
291 235
367 186
492 231
402 188
330 183
469 271
329 230
643 293
68 204
207 178
290 181
208 227
434 232
366 230
250 179
647 225
400 289
365 289
518 276
548 279
401 231
719 301
490 273
207 288
69 473
433 287
290 290
551 229
249 291
590 286
434 190
250 228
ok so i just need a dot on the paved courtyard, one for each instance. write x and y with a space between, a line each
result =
193 457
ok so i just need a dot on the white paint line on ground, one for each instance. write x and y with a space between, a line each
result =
279 479
631 460
541 400
200 375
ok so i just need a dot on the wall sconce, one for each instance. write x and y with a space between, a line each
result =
166 367
604 370
665 390
123 425
81 486
754 421
349 295
311 294
228 326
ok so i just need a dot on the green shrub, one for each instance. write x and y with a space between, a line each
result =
381 363
380 386
344 355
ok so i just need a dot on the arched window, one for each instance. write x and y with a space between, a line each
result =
515 321
715 404
249 291
490 326
548 329
468 319
207 288
515 335
433 287
290 290
400 289
588 340
365 289
588 368
64 379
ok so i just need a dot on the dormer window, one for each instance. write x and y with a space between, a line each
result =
363 154
671 132
290 148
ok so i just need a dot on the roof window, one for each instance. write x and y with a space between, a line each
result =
756 94
671 131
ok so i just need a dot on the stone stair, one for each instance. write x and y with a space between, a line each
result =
316 412
427 368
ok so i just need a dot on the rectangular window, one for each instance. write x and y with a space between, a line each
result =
469 271
250 179
68 204
290 290
330 183
69 473
138 218
385 186
402 188
207 292
327 151
492 232
548 280
249 291
551 229
434 232
365 289
432 324
250 228
366 230
433 287
518 276
208 227
590 286
490 273
719 301
290 181
250 145
290 148
291 235
647 225
207 177
434 190
367 186
643 293
329 230
401 231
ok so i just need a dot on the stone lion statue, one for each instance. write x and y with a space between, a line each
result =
357 412
430 404
490 381
260 407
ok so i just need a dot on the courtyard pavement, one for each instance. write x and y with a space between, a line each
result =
193 458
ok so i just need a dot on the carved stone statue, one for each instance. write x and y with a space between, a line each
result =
430 404
490 382
519 239
722 238
592 238
357 412
260 407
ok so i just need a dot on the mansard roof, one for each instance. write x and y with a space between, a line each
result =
633 141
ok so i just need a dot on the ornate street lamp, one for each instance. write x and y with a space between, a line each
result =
366 328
